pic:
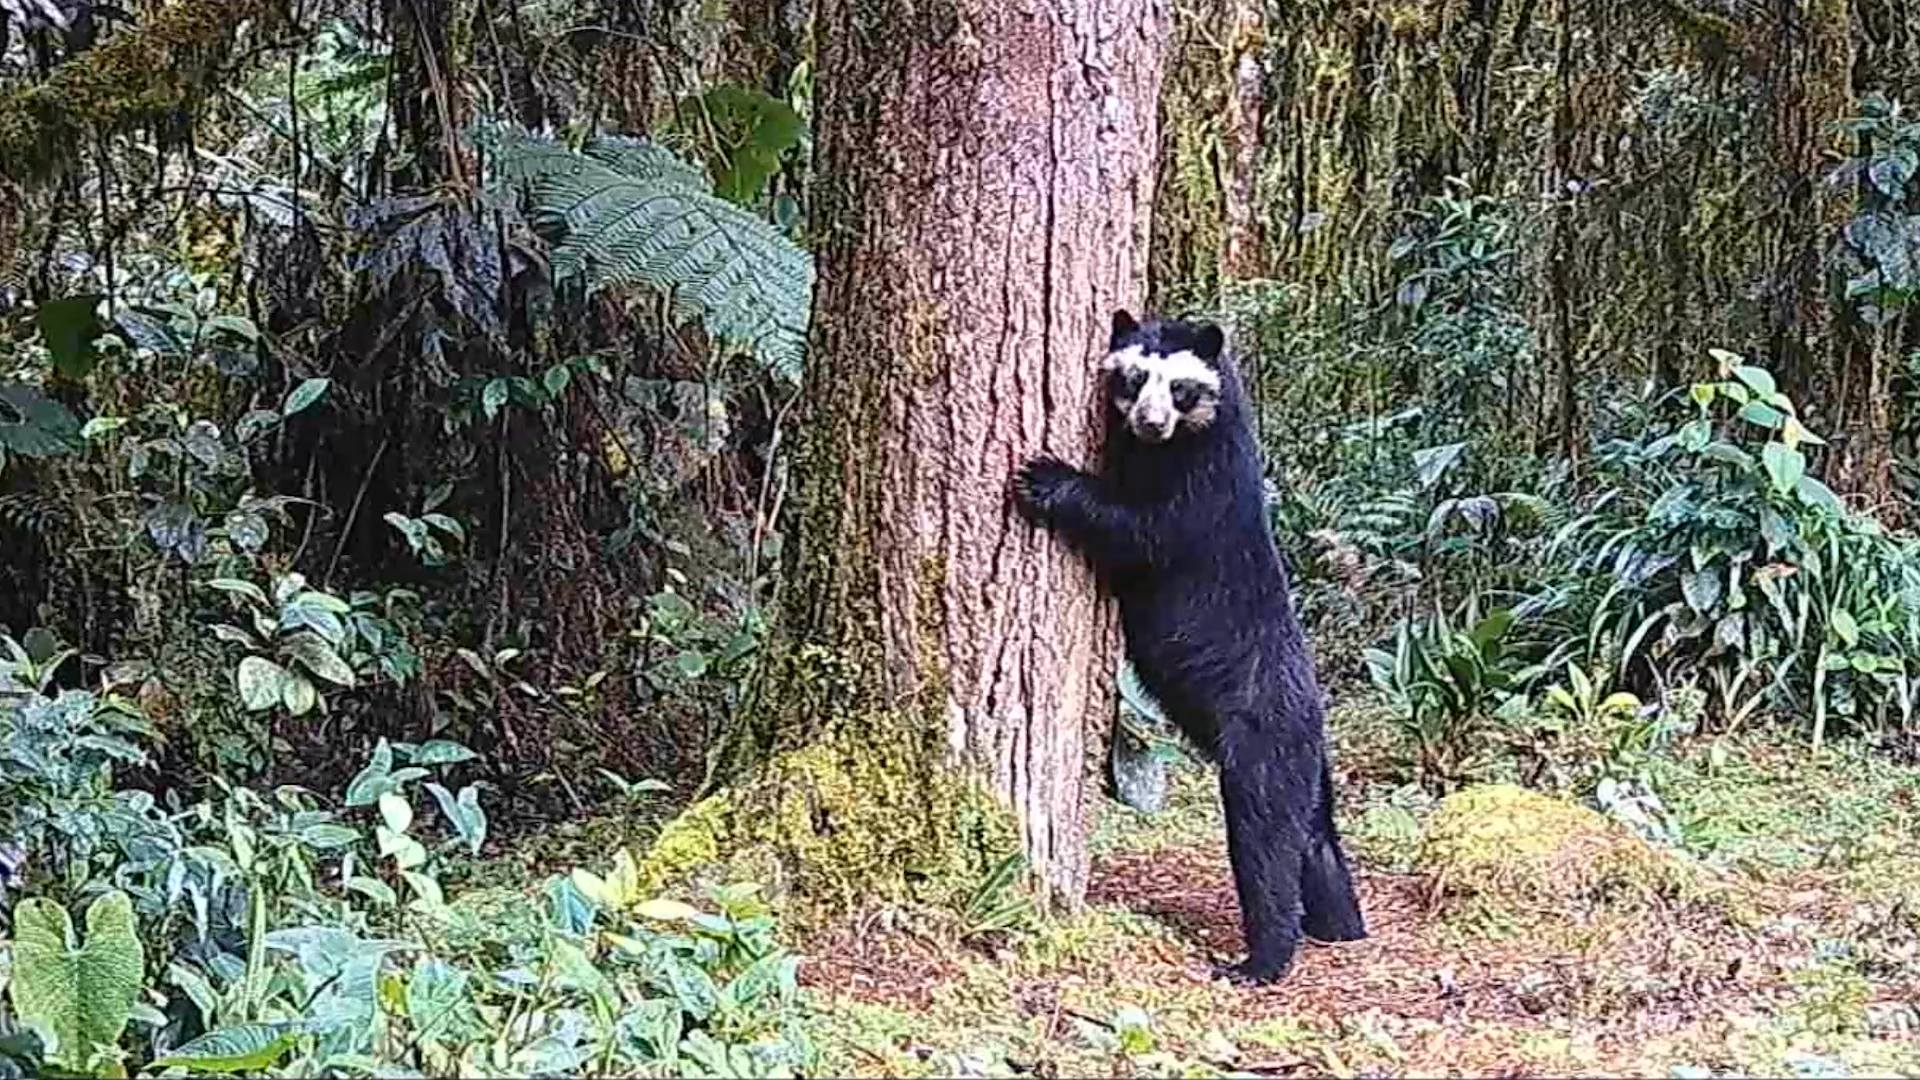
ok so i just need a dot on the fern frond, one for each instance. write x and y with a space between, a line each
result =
631 213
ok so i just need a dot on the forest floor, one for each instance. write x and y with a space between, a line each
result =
1808 963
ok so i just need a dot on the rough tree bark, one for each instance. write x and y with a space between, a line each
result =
1241 250
986 179
1560 256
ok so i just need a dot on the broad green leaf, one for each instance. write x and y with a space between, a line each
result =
374 889
463 813
493 396
196 987
436 991
1756 379
330 627
747 130
1433 462
69 327
83 994
1843 625
240 1048
297 693
446 525
396 812
367 785
1620 701
1491 629
1718 450
313 599
570 909
327 836
262 683
1702 394
320 658
33 424
1817 495
288 586
1784 465
143 331
237 325
405 851
425 889
1794 434
664 910
254 423
594 888
1763 414
1702 588
304 395
1775 529
473 819
440 752
243 588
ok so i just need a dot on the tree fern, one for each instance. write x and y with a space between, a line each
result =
630 212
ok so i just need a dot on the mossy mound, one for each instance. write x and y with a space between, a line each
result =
1519 852
844 821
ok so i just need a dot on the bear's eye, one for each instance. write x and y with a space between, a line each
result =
1127 381
1186 394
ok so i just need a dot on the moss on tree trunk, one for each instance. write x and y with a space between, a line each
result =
985 176
160 67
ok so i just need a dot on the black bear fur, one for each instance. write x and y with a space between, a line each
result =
1179 530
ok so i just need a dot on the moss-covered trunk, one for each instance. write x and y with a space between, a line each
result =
985 179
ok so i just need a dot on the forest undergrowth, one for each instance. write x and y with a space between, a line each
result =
1803 959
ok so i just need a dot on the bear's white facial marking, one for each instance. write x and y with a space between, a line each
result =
1158 392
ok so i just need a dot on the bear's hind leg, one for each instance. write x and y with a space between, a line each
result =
1326 884
1268 803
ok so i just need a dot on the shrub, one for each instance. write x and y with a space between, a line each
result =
1714 550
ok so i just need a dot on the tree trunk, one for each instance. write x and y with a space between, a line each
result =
985 181
1560 255
1242 254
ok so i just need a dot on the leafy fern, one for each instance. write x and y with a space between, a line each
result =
631 212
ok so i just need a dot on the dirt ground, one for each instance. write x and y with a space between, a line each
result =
1806 964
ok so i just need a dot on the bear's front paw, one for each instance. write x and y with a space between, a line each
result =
1039 485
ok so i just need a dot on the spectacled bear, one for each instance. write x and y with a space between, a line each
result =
1177 525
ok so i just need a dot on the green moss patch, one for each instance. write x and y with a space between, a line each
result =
840 823
1518 852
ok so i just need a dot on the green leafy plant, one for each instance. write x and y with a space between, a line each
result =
75 829
999 905
1719 550
33 424
744 132
299 634
77 995
1446 676
1580 698
1881 237
631 213
423 534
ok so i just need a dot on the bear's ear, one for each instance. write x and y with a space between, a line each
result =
1123 328
1208 340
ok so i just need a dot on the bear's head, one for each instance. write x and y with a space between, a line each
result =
1165 376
